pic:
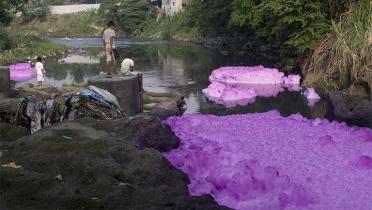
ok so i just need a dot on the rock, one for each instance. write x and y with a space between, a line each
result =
41 92
166 109
359 88
142 131
9 133
59 177
4 81
101 170
355 110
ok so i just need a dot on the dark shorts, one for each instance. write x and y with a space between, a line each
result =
116 54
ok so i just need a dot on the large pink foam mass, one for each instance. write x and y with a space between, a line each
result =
21 72
266 161
247 75
232 86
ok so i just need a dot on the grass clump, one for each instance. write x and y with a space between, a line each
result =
345 55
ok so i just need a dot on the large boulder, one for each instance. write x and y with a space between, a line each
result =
142 131
10 133
87 164
352 109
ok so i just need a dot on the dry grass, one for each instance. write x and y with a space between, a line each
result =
345 55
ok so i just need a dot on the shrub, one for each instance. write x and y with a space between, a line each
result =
5 41
131 15
34 11
345 54
299 24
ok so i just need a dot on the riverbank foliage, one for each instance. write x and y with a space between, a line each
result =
299 24
81 24
345 54
25 47
19 46
130 15
296 25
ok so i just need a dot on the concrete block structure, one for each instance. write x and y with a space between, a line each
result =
126 89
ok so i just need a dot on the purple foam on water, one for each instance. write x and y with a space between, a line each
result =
232 86
364 162
292 82
326 140
21 72
311 96
266 161
310 93
292 79
247 75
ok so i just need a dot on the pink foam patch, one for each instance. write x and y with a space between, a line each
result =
232 86
21 72
312 96
247 75
292 82
266 161
292 79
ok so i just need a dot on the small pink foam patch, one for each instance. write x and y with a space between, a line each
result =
21 72
311 96
266 161
232 86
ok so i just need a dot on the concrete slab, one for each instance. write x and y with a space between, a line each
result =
125 88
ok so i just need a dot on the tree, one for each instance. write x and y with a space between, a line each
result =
210 17
7 7
294 23
131 15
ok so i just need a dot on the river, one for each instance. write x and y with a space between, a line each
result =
169 66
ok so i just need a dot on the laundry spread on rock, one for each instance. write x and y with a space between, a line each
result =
34 114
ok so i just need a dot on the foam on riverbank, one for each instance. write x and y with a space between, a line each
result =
21 72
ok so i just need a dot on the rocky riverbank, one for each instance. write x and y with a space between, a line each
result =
89 164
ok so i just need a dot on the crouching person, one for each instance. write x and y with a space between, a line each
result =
127 70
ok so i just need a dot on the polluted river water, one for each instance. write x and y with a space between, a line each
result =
274 152
166 67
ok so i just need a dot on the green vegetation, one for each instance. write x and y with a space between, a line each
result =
295 23
77 24
337 40
345 55
38 10
23 48
19 46
131 15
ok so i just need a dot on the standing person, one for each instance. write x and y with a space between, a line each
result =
110 47
40 71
